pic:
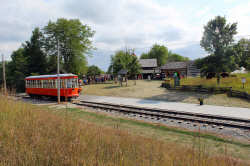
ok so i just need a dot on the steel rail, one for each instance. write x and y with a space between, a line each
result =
162 113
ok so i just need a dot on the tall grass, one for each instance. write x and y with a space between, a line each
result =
234 82
29 136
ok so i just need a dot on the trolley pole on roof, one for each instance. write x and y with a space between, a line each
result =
58 72
4 79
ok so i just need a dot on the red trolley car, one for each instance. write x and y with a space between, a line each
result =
46 85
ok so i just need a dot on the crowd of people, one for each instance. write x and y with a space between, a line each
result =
86 80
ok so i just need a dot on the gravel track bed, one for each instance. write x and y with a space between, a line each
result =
228 132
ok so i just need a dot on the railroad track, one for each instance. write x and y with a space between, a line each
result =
159 114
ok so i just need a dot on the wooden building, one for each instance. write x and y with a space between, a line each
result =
149 68
185 69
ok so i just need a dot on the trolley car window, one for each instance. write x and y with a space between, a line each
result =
69 83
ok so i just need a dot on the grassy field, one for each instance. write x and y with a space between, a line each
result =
39 136
234 82
152 90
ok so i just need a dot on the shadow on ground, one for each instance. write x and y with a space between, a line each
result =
177 96
112 87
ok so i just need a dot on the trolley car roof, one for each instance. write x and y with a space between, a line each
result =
50 76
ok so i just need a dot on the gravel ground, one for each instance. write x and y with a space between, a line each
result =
228 132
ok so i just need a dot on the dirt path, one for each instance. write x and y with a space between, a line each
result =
152 90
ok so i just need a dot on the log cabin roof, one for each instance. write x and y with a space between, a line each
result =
148 62
174 65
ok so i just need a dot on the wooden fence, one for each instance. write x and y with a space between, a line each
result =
204 89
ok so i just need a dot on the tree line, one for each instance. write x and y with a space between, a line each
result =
224 55
39 55
126 59
73 41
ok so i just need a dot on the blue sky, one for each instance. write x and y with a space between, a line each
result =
138 24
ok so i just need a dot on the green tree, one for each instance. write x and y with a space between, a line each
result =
18 70
74 43
36 58
163 55
172 57
242 49
217 40
144 56
158 52
93 71
125 60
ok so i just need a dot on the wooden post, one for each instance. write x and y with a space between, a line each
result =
58 74
4 79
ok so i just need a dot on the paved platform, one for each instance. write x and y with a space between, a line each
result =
236 112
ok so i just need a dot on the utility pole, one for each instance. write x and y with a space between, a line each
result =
58 73
4 79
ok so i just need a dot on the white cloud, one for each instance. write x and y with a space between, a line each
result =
132 23
241 15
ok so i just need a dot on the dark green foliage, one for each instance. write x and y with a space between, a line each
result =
125 60
93 71
144 56
17 70
74 43
39 55
218 41
163 55
218 35
36 58
242 49
172 57
158 52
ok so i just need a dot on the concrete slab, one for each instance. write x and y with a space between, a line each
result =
235 112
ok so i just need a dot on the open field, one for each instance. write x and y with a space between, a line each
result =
234 82
32 135
152 90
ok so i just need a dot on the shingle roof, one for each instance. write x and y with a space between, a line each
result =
148 62
174 65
